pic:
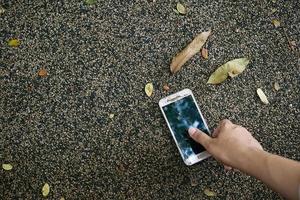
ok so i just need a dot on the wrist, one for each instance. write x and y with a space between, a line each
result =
252 160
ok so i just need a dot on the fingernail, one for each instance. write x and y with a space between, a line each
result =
192 131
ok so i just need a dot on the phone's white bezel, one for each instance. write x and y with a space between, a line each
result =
175 97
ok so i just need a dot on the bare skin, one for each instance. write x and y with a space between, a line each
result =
235 147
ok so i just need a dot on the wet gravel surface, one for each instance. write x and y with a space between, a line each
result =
57 129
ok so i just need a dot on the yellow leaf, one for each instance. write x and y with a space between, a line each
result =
189 51
46 189
149 89
231 68
276 86
7 167
180 8
262 96
204 53
14 43
276 23
209 193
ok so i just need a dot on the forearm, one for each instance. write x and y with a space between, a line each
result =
280 174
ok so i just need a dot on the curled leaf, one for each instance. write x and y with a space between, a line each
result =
180 8
262 96
204 53
7 167
14 43
46 189
189 51
276 22
209 193
149 89
231 68
42 72
166 88
276 86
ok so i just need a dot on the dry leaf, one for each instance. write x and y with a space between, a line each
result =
231 68
209 193
180 8
14 42
204 53
273 10
194 182
111 115
46 189
276 86
2 10
262 96
276 23
292 45
42 72
189 51
7 167
90 2
166 88
62 198
149 89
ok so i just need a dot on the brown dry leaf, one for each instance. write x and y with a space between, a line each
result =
166 88
262 96
42 72
189 51
276 22
231 68
121 167
276 86
204 53
149 89
209 193
194 182
14 42
180 8
45 189
7 167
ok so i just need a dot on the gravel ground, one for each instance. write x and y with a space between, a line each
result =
57 129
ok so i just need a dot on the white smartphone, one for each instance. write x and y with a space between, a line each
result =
181 112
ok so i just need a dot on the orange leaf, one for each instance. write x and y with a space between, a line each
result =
42 72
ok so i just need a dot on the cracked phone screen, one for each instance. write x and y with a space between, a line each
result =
182 115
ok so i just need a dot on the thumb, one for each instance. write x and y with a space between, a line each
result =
200 137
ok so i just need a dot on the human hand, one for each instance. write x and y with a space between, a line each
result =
228 144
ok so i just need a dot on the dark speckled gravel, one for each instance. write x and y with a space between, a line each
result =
57 129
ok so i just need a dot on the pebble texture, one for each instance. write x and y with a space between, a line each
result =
57 129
